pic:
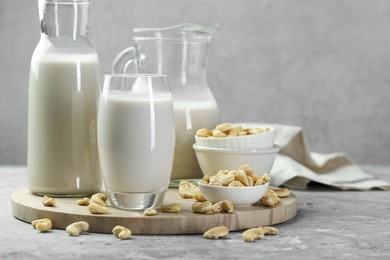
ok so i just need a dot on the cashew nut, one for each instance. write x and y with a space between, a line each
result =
216 232
242 133
203 132
253 131
253 234
250 180
99 198
150 212
282 193
187 189
270 198
225 127
95 208
48 202
225 177
236 184
255 177
199 197
83 202
223 206
205 179
247 168
43 225
259 182
218 133
121 232
266 178
263 179
77 228
202 207
242 177
270 231
215 182
235 131
171 208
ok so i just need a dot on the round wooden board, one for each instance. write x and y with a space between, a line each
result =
28 207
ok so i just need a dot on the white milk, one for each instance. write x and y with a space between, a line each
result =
62 147
189 117
136 142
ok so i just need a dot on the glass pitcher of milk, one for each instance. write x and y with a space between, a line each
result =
63 90
181 52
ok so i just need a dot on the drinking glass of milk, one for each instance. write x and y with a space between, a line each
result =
136 139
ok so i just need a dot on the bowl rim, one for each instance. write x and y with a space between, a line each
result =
198 148
271 131
228 188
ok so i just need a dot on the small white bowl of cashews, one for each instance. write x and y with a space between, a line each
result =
240 186
229 136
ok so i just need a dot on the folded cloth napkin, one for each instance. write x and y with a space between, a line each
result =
295 165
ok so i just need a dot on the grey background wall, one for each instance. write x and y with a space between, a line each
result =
323 65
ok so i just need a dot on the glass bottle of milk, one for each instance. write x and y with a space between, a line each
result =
62 154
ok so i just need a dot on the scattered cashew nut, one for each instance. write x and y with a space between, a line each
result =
43 225
270 198
99 198
223 206
187 189
270 231
282 193
199 197
83 202
216 232
253 234
77 228
48 202
171 208
150 212
121 232
202 207
95 208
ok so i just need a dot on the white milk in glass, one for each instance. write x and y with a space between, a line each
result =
190 115
136 141
62 141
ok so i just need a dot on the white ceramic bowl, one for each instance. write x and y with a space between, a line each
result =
239 196
211 160
256 141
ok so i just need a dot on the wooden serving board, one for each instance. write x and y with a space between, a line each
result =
28 207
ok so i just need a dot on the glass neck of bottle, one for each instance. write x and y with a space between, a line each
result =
65 18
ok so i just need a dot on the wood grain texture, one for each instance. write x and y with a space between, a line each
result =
28 207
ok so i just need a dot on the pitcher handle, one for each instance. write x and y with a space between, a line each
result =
123 60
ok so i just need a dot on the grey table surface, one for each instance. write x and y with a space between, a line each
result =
330 224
